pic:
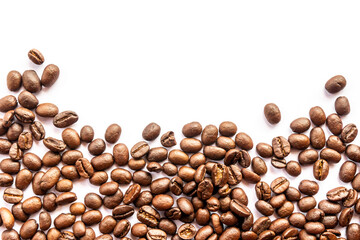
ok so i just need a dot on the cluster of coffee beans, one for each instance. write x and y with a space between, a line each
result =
201 187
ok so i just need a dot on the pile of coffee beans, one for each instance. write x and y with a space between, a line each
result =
198 195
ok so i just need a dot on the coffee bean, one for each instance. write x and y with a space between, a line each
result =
64 220
214 153
297 220
65 235
10 235
151 131
192 129
330 155
279 185
148 216
244 141
264 208
337 194
19 213
37 130
138 164
263 191
321 169
293 168
353 152
314 228
281 147
342 106
102 162
14 80
139 150
28 229
70 172
286 209
353 231
54 145
66 198
157 234
345 217
209 135
186 173
349 133
79 229
31 81
50 178
187 231
64 185
334 142
230 233
239 209
24 115
317 138
272 113
123 211
13 195
300 125
259 166
28 100
107 225
225 143
84 168
25 141
65 119
6 180
44 221
50 75
347 171
351 199
309 187
264 150
144 198
132 193
77 208
299 141
329 208
93 201
36 183
168 139
139 230
157 154
8 103
162 202
317 115
308 156
32 161
47 110
278 163
9 166
32 205
334 123
14 132
112 133
191 145
292 194
87 133
91 217
7 218
23 179
36 56
121 176
335 84
315 215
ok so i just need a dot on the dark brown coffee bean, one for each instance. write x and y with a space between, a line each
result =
286 209
64 220
36 56
186 231
321 169
317 115
24 115
346 216
138 164
139 150
143 178
66 198
93 201
99 178
113 133
139 230
337 194
9 118
279 225
334 123
347 171
315 215
9 166
13 132
10 235
264 150
79 229
32 161
264 208
330 221
121 176
84 168
87 133
244 141
23 179
148 216
308 156
7 218
107 225
37 130
306 203
351 199
297 220
329 208
225 143
209 135
28 229
309 187
77 208
178 157
185 205
330 155
168 139
121 154
250 176
259 166
317 138
44 221
191 145
54 145
278 163
169 169
65 119
13 195
214 153
91 217
293 168
132 193
123 211
157 234
335 84
239 209
50 75
54 234
14 80
334 142
261 224
8 103
263 191
279 185
102 162
299 141
300 125
353 152
32 205
151 131
47 110
342 106
278 201
281 147
28 100
353 231
36 183
6 180
19 213
31 81
157 154
50 178
272 113
349 133
49 202
69 157
228 129
145 198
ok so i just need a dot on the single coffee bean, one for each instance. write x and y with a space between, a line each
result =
349 133
351 199
347 171
19 213
14 132
10 235
308 156
36 56
264 208
6 180
346 216
9 166
138 164
300 125
334 142
54 145
113 200
192 129
64 185
225 142
278 163
272 113
230 233
314 228
7 218
23 179
132 193
25 141
109 188
151 131
239 209
77 208
148 216
157 234
121 154
65 119
93 201
97 147
244 141
123 211
28 229
87 133
84 168
214 153
353 152
69 157
335 84
329 208
14 80
54 234
187 231
13 195
32 205
50 75
191 145
36 183
47 110
279 225
44 221
79 229
317 138
334 123
143 178
259 166
121 176
112 133
91 217
299 141
37 130
9 118
309 187
32 162
139 230
279 185
297 220
64 220
330 221
102 162
8 103
286 209
353 231
264 150
168 226
31 81
330 155
145 198
337 194
342 105
186 173
263 191
321 169
50 178
107 225
162 202
220 175
157 154
315 215
66 198
293 168
281 147
28 100
168 139
24 115
209 135
317 115
227 128
139 150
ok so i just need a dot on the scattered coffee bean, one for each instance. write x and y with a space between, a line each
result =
272 113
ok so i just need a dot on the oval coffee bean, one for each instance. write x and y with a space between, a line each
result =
36 56
28 100
87 133
112 133
50 75
7 218
349 133
281 147
321 169
300 125
65 119
209 135
347 171
244 141
192 129
47 110
31 81
37 130
14 80
317 115
50 178
272 113
279 185
335 84
334 123
317 138
13 195
54 145
151 131
8 103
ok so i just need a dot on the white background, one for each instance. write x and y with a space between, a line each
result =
172 62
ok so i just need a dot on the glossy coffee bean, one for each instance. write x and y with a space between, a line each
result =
47 110
317 138
330 155
93 201
87 133
209 135
37 130
91 217
299 141
293 168
342 105
32 205
334 124
192 129
317 115
337 194
77 208
65 119
154 234
132 193
244 141
272 113
281 147
54 144
112 133
335 84
28 100
13 195
23 179
321 169
259 166
50 75
66 198
44 221
347 171
279 185
187 231
64 220
353 231
14 80
308 187
99 178
121 154
349 133
123 211
148 216
168 139
300 125
8 103
49 202
28 229
31 81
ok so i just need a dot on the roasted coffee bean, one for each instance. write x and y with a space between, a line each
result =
317 115
306 203
293 168
122 228
263 191
277 201
309 187
143 178
168 139
220 175
351 199
32 205
9 166
102 162
178 157
321 169
6 180
13 133
346 216
167 226
13 195
121 154
138 164
24 115
259 166
250 176
99 178
279 225
54 145
66 198
93 201
272 113
28 229
31 81
186 173
239 209
337 194
37 130
204 190
148 216
227 128
264 208
36 183
297 220
349 133
77 208
107 225
139 230
314 228
317 138
64 185
139 150
187 231
335 84
214 153
342 105
64 220
213 204
23 179
8 103
169 169
91 217
84 168
123 211
334 142
300 125
9 118
281 147
196 160
244 141
176 185
32 161
156 234
230 233
71 138
27 100
353 231
25 141
50 178
191 145
353 152
315 215
235 175
69 157
121 176
185 205
202 216
264 150
87 133
162 202
308 156
299 141
329 208
292 194
160 186
278 163
157 154
209 135
330 155
47 110
10 235
239 194
225 143
79 229
19 213
261 224
109 188
132 193
44 221
65 119
330 221
279 185
50 75
151 131
192 129
14 80
113 133
54 234
36 56
49 202
173 213
7 218
334 123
